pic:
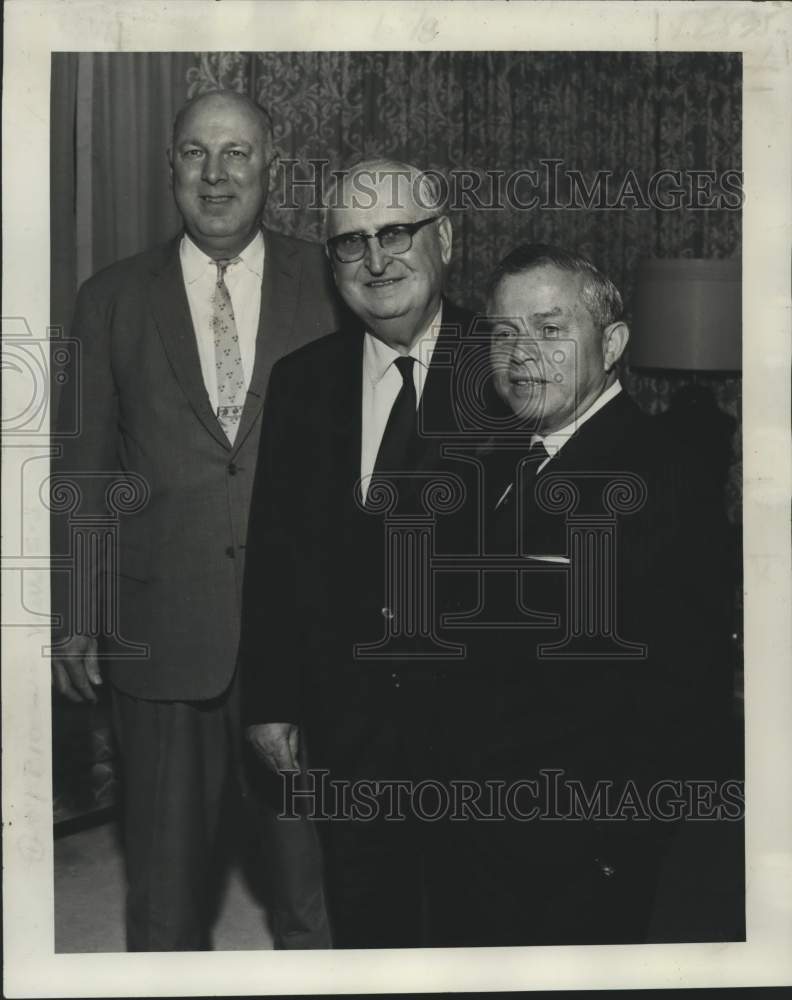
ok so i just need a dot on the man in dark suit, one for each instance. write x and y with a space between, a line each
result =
331 655
627 682
176 347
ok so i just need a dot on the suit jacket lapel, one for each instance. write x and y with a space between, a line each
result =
436 413
345 419
342 411
279 292
591 445
172 316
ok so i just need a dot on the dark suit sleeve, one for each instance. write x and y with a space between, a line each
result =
83 462
685 577
269 654
702 587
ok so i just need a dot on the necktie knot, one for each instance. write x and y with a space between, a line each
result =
537 451
223 265
536 455
527 471
399 434
405 365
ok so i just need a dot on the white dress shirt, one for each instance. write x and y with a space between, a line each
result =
556 440
243 282
381 385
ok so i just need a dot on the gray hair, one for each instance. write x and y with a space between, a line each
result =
428 188
601 296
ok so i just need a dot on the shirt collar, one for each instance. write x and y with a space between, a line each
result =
555 441
378 356
194 261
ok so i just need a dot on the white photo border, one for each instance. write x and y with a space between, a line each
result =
36 28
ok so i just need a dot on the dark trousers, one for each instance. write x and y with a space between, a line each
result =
560 882
181 770
394 874
546 873
397 884
493 880
292 863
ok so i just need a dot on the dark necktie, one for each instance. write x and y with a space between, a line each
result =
502 535
539 528
525 469
402 423
536 454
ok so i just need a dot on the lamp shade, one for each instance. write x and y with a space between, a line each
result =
687 315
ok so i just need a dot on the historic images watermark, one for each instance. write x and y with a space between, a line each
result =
551 185
32 362
548 795
92 543
88 505
588 508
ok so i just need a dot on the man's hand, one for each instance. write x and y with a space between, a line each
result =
276 744
75 669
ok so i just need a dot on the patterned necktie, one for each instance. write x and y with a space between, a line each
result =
228 359
402 422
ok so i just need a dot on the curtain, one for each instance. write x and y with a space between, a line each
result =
110 193
509 111
475 111
63 189
111 115
471 111
617 112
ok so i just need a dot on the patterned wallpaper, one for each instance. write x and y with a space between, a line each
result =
629 114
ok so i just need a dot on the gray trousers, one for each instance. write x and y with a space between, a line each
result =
182 772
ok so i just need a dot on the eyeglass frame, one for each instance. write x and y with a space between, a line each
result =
411 227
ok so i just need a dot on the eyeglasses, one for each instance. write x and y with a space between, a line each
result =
349 247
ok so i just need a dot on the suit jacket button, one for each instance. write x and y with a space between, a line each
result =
230 551
232 469
608 870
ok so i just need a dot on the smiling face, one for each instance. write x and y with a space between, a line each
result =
221 166
395 295
550 360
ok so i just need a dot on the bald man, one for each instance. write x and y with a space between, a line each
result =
176 349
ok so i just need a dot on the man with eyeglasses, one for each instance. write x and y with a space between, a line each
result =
346 426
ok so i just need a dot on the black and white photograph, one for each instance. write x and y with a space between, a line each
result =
397 498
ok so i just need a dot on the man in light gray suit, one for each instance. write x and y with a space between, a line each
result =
176 346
